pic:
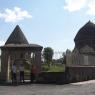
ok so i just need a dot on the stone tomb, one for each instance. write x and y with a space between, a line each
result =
18 50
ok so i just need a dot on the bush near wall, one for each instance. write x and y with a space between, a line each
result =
53 68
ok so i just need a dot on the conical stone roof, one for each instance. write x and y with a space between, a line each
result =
17 37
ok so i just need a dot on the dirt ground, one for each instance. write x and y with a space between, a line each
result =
81 88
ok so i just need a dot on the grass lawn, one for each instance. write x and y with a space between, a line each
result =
53 68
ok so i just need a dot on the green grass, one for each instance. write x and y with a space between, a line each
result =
53 68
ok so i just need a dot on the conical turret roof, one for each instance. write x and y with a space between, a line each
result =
17 37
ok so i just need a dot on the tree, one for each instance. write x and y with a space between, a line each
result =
48 54
64 58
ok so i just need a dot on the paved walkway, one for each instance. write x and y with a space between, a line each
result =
81 88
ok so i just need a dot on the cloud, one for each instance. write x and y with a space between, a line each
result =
14 15
77 5
74 5
2 43
91 8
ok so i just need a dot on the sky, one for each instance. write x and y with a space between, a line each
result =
50 23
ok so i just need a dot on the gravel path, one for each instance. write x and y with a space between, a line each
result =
81 88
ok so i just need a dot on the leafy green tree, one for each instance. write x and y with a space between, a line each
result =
48 55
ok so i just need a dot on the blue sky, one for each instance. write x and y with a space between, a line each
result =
50 23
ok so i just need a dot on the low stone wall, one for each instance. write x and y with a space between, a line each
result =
52 77
72 74
0 75
80 73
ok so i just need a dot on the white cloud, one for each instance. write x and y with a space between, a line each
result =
74 5
91 8
77 5
14 15
2 43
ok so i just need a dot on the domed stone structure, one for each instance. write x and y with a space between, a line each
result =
18 50
86 35
84 51
82 58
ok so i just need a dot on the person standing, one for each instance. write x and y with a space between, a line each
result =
14 74
21 69
33 73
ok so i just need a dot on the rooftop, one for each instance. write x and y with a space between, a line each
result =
87 32
17 37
